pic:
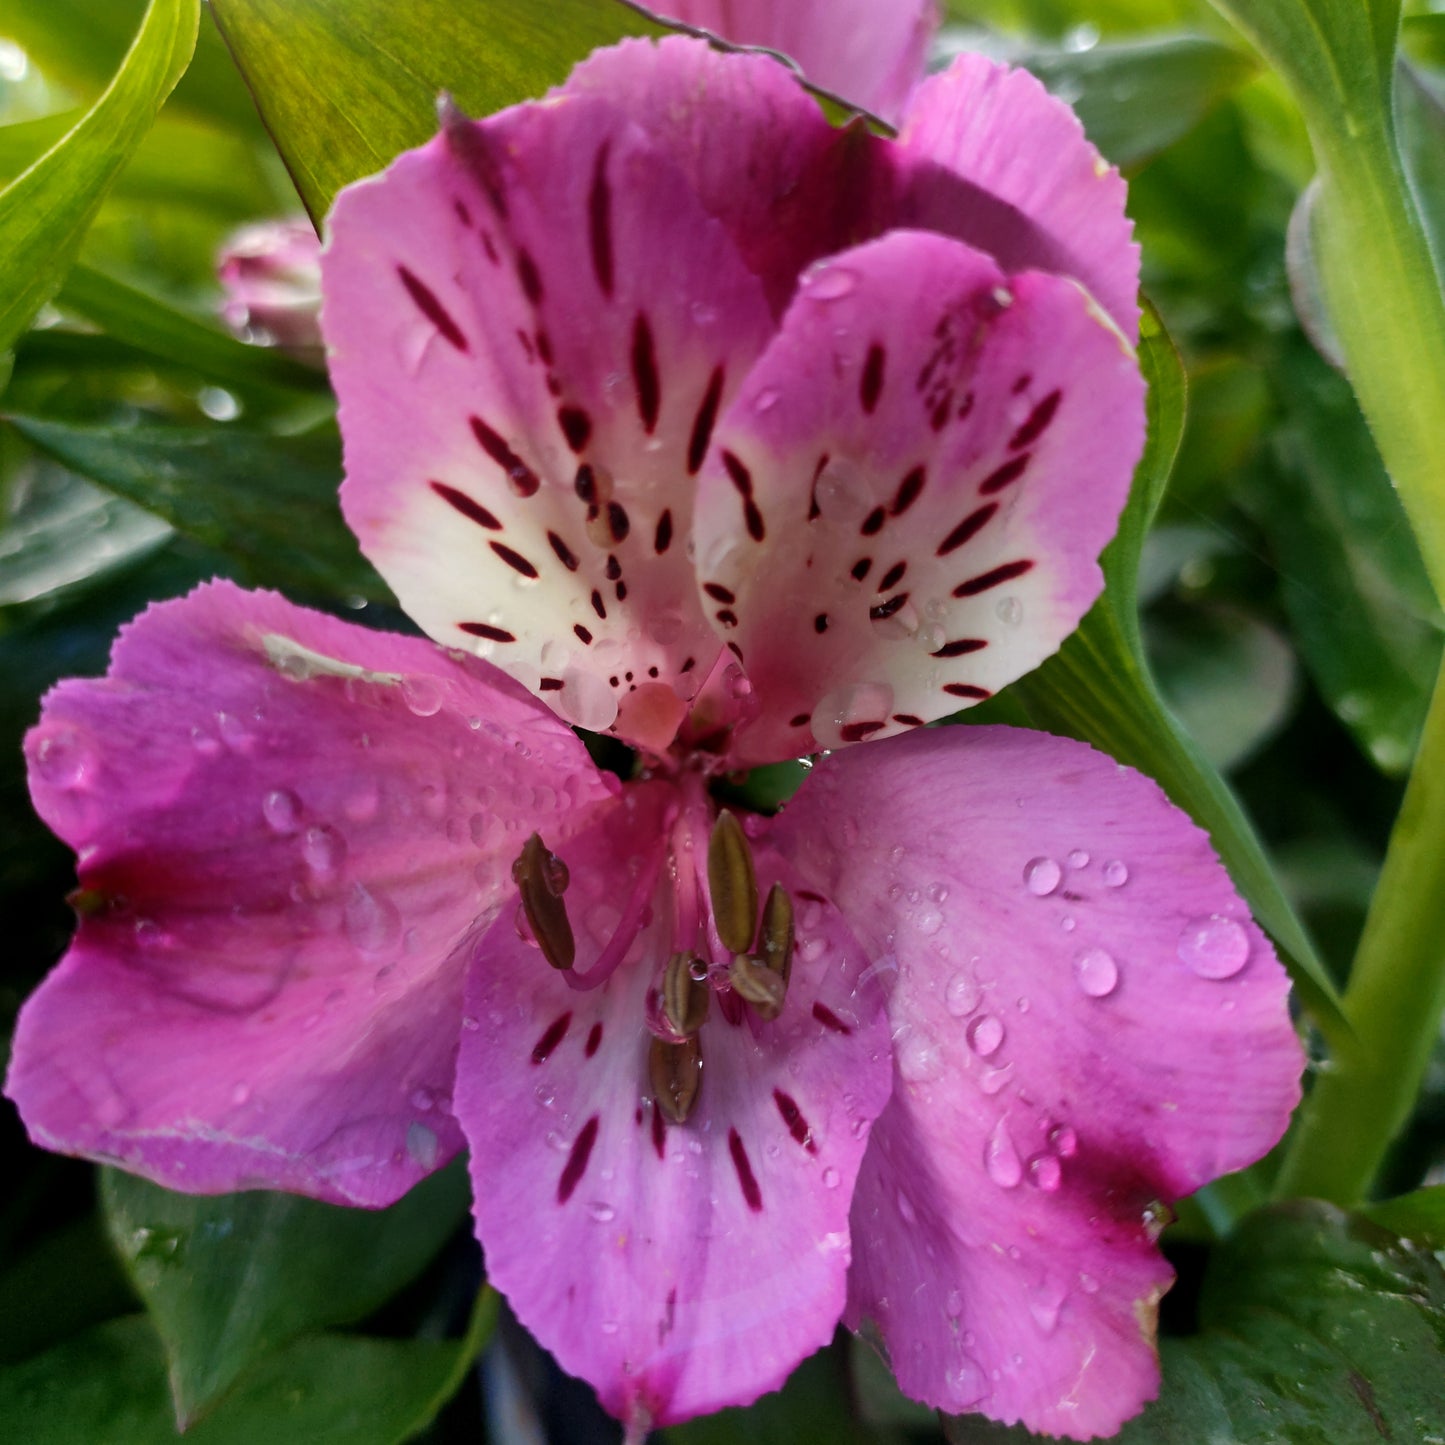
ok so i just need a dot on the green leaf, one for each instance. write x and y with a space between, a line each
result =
1098 687
345 86
1380 284
267 501
164 331
1419 1216
1361 608
46 209
1137 97
109 1385
228 1279
1315 1327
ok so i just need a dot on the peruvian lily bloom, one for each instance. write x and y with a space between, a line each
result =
672 413
270 272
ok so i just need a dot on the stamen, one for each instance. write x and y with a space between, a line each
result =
675 1072
541 878
775 938
684 999
732 884
634 911
755 982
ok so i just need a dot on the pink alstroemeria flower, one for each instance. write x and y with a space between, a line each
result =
739 438
869 52
270 272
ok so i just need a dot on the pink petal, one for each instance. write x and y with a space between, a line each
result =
1035 194
870 52
1086 1022
533 327
754 147
676 1268
290 831
907 499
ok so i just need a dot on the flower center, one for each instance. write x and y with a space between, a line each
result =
722 945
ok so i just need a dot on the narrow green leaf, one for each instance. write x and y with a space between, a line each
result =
1136 97
269 502
227 1279
108 1385
145 321
345 86
1380 284
1363 615
1098 687
45 210
1419 1216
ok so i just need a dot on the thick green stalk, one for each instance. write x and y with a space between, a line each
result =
1394 1001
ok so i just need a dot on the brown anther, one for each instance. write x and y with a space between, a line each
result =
775 937
88 902
541 878
732 884
675 1072
757 984
685 999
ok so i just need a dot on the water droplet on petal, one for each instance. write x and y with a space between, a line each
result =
664 628
967 1384
421 1144
985 1035
1078 859
372 921
841 714
919 1059
240 1094
928 922
830 1178
1042 876
905 1209
991 1081
324 850
603 1213
1116 874
1045 1172
281 809
423 695
766 400
1215 947
1063 1141
954 1304
1009 611
1097 973
62 759
962 996
1001 1159
585 700
827 281
610 1327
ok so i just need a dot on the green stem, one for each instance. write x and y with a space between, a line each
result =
1394 1001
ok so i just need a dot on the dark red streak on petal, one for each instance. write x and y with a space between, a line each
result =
1038 419
964 689
985 580
565 555
967 529
870 384
882 611
551 684
753 519
793 1118
485 629
860 568
576 1165
1010 472
828 1018
662 540
599 223
618 522
594 1040
746 1179
556 1032
472 511
529 276
576 426
514 560
742 477
718 592
432 309
704 421
908 491
857 731
584 636
908 719
872 523
523 479
597 604
659 1131
892 577
800 721
644 374
961 646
